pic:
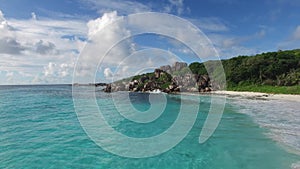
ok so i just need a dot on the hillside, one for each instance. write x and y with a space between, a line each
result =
280 68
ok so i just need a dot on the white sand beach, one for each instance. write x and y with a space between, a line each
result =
287 97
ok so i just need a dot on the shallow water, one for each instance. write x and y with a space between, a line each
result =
39 129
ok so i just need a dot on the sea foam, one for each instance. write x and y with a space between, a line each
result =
281 118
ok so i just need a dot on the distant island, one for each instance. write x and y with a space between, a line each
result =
272 72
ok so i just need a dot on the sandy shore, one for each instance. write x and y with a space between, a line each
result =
258 95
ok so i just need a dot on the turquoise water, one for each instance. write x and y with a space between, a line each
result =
39 129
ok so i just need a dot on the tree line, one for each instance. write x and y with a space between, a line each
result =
281 68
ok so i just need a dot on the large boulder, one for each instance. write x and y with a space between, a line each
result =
157 73
204 83
177 66
107 88
166 68
144 79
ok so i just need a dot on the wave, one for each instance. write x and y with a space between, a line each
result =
281 118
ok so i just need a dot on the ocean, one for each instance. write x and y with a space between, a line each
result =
39 128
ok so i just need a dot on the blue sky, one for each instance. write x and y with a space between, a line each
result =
40 41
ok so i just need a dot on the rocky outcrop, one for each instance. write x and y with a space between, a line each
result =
161 79
157 73
177 66
166 68
156 81
203 83
107 88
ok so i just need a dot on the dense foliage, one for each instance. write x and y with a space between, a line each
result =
280 68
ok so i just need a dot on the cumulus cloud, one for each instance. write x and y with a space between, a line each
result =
10 46
3 21
30 48
106 40
102 38
57 70
5 28
49 70
33 16
55 73
8 42
42 47
108 73
65 69
98 24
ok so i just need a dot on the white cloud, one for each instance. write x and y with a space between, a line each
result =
176 5
55 73
231 42
125 7
8 42
65 69
10 46
54 70
43 48
50 69
231 46
5 28
1 17
100 42
122 6
33 16
296 34
210 24
98 24
28 46
291 42
108 73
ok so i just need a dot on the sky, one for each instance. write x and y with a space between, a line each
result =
41 41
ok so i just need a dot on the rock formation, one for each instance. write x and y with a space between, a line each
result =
163 80
177 66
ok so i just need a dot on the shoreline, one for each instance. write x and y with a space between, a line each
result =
243 95
249 95
258 95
